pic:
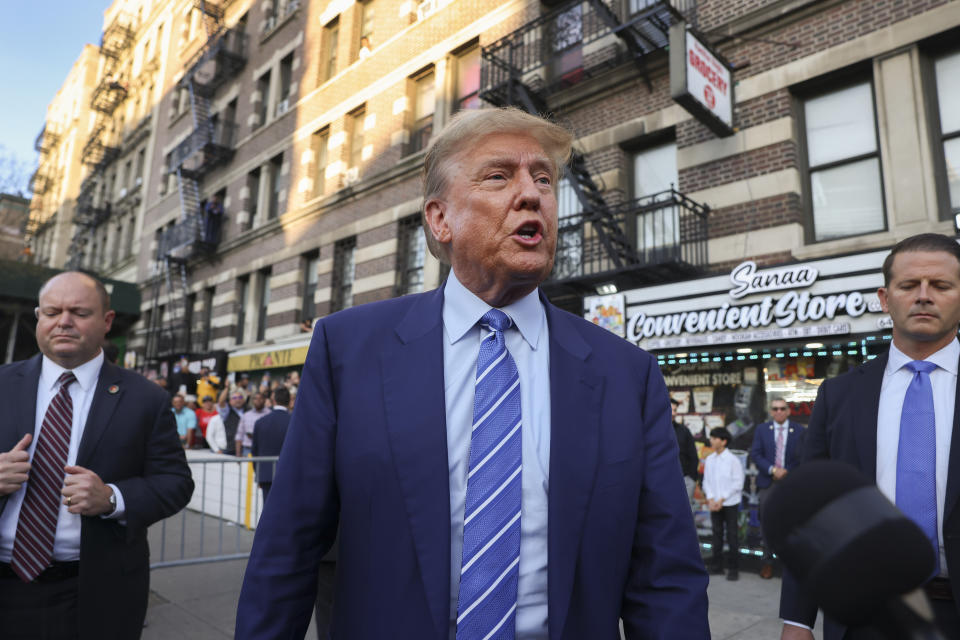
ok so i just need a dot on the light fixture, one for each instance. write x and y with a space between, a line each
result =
813 345
744 350
680 355
606 289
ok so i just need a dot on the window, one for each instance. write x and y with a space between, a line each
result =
166 174
308 308
344 253
128 173
128 239
365 39
947 71
263 88
321 140
207 317
243 293
286 76
410 256
569 256
253 187
566 42
188 310
141 160
846 194
654 175
275 167
424 103
356 137
263 301
468 80
328 60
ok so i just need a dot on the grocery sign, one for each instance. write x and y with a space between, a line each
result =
701 81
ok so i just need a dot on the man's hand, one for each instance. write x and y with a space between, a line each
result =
779 473
85 493
793 632
14 466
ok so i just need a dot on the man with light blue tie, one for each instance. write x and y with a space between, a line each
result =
894 418
497 468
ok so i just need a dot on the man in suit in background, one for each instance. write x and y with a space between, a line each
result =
916 463
776 449
496 466
268 435
91 459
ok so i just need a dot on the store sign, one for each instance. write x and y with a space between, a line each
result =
268 359
783 303
700 80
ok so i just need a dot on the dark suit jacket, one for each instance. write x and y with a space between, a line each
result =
130 440
844 427
367 448
268 435
763 451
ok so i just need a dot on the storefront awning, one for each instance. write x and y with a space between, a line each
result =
289 353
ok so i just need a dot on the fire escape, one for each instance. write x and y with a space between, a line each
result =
42 183
208 146
100 150
626 243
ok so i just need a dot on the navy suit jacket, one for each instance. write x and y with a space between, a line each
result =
268 435
763 451
367 449
130 440
844 427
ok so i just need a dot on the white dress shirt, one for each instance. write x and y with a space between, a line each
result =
528 343
723 478
896 379
66 542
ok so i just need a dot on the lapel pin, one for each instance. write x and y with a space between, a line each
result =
113 389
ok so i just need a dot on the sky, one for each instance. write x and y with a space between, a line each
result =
39 42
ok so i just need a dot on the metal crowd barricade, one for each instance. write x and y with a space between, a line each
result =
219 521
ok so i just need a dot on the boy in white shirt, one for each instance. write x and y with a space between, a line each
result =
723 485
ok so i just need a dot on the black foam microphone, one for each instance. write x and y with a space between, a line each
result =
853 552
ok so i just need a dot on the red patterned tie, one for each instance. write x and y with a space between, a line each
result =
33 545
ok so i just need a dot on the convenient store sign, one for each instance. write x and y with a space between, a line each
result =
797 314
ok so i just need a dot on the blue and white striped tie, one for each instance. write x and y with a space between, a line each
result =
489 571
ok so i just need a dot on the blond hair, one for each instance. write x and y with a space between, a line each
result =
470 126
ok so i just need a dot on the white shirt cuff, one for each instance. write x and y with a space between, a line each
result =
797 624
120 511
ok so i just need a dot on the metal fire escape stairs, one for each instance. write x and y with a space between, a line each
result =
98 153
506 67
206 147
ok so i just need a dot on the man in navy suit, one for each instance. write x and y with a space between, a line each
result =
268 435
393 404
856 419
94 449
776 449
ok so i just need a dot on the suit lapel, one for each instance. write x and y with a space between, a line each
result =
106 397
413 388
575 391
867 386
953 479
25 391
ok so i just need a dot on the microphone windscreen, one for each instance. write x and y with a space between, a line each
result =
850 548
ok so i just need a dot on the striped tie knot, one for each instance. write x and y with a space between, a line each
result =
496 320
921 366
66 379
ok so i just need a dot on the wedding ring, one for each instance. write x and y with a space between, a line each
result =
69 500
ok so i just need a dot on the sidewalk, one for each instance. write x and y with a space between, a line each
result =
196 602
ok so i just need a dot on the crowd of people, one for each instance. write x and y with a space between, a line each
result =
220 415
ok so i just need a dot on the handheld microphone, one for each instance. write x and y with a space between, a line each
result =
853 552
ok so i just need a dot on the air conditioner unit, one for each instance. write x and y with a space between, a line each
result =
425 8
269 23
282 106
123 192
351 176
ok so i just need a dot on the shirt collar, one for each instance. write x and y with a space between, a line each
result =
279 408
780 425
86 374
946 358
462 309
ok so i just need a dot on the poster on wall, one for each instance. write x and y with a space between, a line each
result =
682 396
694 423
703 399
608 312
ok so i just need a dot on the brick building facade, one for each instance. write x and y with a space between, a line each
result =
314 116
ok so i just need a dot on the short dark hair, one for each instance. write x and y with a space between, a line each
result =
674 402
722 433
281 396
920 242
